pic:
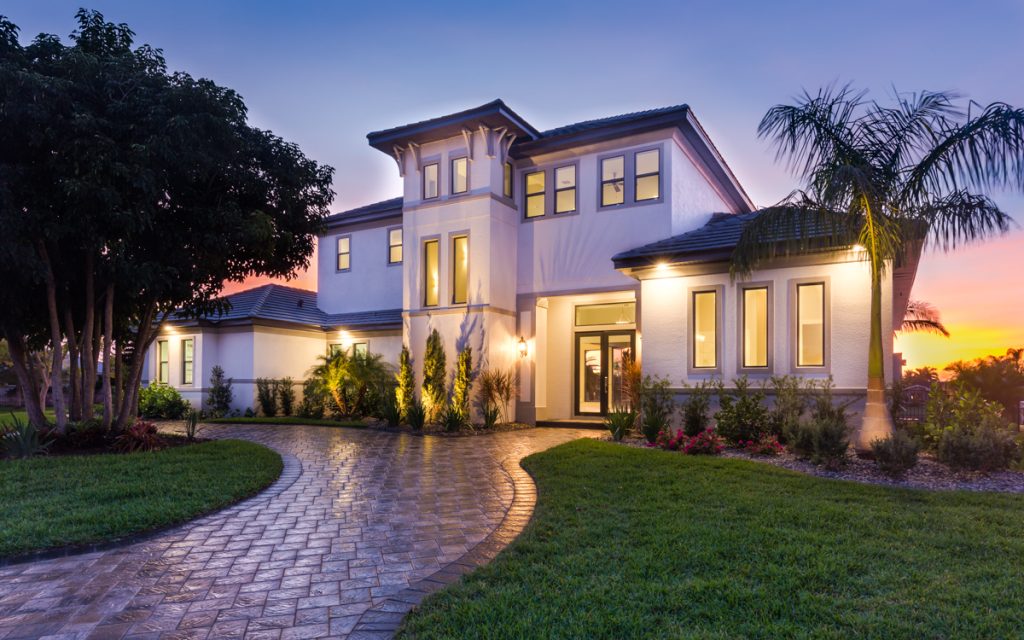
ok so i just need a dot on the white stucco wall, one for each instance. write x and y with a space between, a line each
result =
371 283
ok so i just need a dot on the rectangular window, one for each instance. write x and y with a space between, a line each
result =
431 283
333 349
430 181
535 194
395 245
705 330
344 253
755 327
565 189
187 360
810 325
163 359
589 315
613 181
647 182
360 349
460 269
506 186
460 175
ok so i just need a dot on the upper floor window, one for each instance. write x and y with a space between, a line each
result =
395 245
460 175
613 181
506 180
647 182
535 194
187 360
755 327
460 269
431 283
565 189
430 186
810 324
163 362
344 253
704 322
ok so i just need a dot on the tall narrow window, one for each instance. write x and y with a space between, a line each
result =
163 360
431 282
344 253
755 327
535 194
648 175
565 189
460 269
360 349
395 245
613 181
506 186
460 175
187 360
810 325
430 181
705 329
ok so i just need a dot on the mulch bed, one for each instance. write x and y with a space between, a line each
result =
928 474
63 447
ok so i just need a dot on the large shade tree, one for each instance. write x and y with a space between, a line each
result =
892 179
128 192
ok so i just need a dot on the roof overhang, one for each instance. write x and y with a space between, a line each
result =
667 266
493 115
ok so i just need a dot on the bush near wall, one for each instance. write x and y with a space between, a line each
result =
161 401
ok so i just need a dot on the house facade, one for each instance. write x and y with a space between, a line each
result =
558 253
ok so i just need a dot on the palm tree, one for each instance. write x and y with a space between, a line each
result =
891 179
922 317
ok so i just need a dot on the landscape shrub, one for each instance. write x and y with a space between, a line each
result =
220 395
463 383
266 396
495 390
707 442
768 445
490 415
896 454
353 383
632 382
742 414
657 405
141 436
831 430
312 405
286 395
389 410
22 439
160 401
958 407
452 419
416 415
619 422
788 407
982 449
434 374
665 440
191 425
87 434
405 393
696 407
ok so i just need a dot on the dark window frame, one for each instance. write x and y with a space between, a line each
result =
163 358
454 237
437 180
338 253
637 176
451 175
574 188
188 365
400 245
691 361
426 272
602 182
741 300
508 174
527 195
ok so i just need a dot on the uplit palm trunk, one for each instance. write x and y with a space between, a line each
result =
877 423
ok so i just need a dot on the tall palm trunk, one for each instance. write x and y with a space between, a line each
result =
877 423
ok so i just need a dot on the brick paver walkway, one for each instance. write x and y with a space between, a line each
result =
359 527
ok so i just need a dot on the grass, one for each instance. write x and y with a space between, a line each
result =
630 543
8 416
317 422
58 501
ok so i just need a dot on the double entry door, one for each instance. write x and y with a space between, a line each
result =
599 370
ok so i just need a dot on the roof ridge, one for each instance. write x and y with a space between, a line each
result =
258 306
594 121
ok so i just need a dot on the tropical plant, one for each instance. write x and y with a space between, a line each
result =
452 419
490 415
632 380
463 383
286 395
696 407
405 391
742 414
220 395
141 436
959 407
266 396
997 378
23 439
495 390
896 454
191 425
416 415
657 404
161 401
389 410
312 404
351 380
889 179
619 422
434 374
922 317
923 376
788 406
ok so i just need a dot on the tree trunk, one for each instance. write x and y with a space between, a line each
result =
143 339
74 370
877 423
108 369
61 418
24 369
89 344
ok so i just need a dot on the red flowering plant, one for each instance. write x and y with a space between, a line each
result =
707 442
665 440
766 445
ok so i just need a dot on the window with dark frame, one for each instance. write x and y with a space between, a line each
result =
360 349
647 182
613 181
705 330
430 181
163 358
460 269
507 180
535 194
810 324
460 175
187 360
755 328
395 245
344 253
565 189
431 281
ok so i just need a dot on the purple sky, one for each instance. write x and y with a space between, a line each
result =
323 74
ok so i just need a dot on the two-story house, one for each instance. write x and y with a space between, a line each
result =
556 252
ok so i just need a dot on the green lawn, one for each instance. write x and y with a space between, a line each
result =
69 500
633 543
355 424
8 416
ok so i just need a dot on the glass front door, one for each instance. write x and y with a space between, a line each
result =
600 369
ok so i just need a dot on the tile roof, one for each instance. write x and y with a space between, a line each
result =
625 118
298 306
366 213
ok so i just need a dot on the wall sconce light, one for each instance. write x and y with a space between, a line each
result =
523 349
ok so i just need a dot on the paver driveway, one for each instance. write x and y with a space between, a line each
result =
330 550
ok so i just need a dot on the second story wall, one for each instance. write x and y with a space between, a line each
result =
372 281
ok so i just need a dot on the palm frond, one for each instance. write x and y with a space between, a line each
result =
897 133
959 218
922 317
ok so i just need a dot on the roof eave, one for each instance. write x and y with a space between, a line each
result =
493 114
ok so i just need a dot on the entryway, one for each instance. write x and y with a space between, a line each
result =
599 357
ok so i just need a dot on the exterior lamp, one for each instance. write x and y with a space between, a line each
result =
523 348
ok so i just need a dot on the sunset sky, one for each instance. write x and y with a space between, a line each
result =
323 74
